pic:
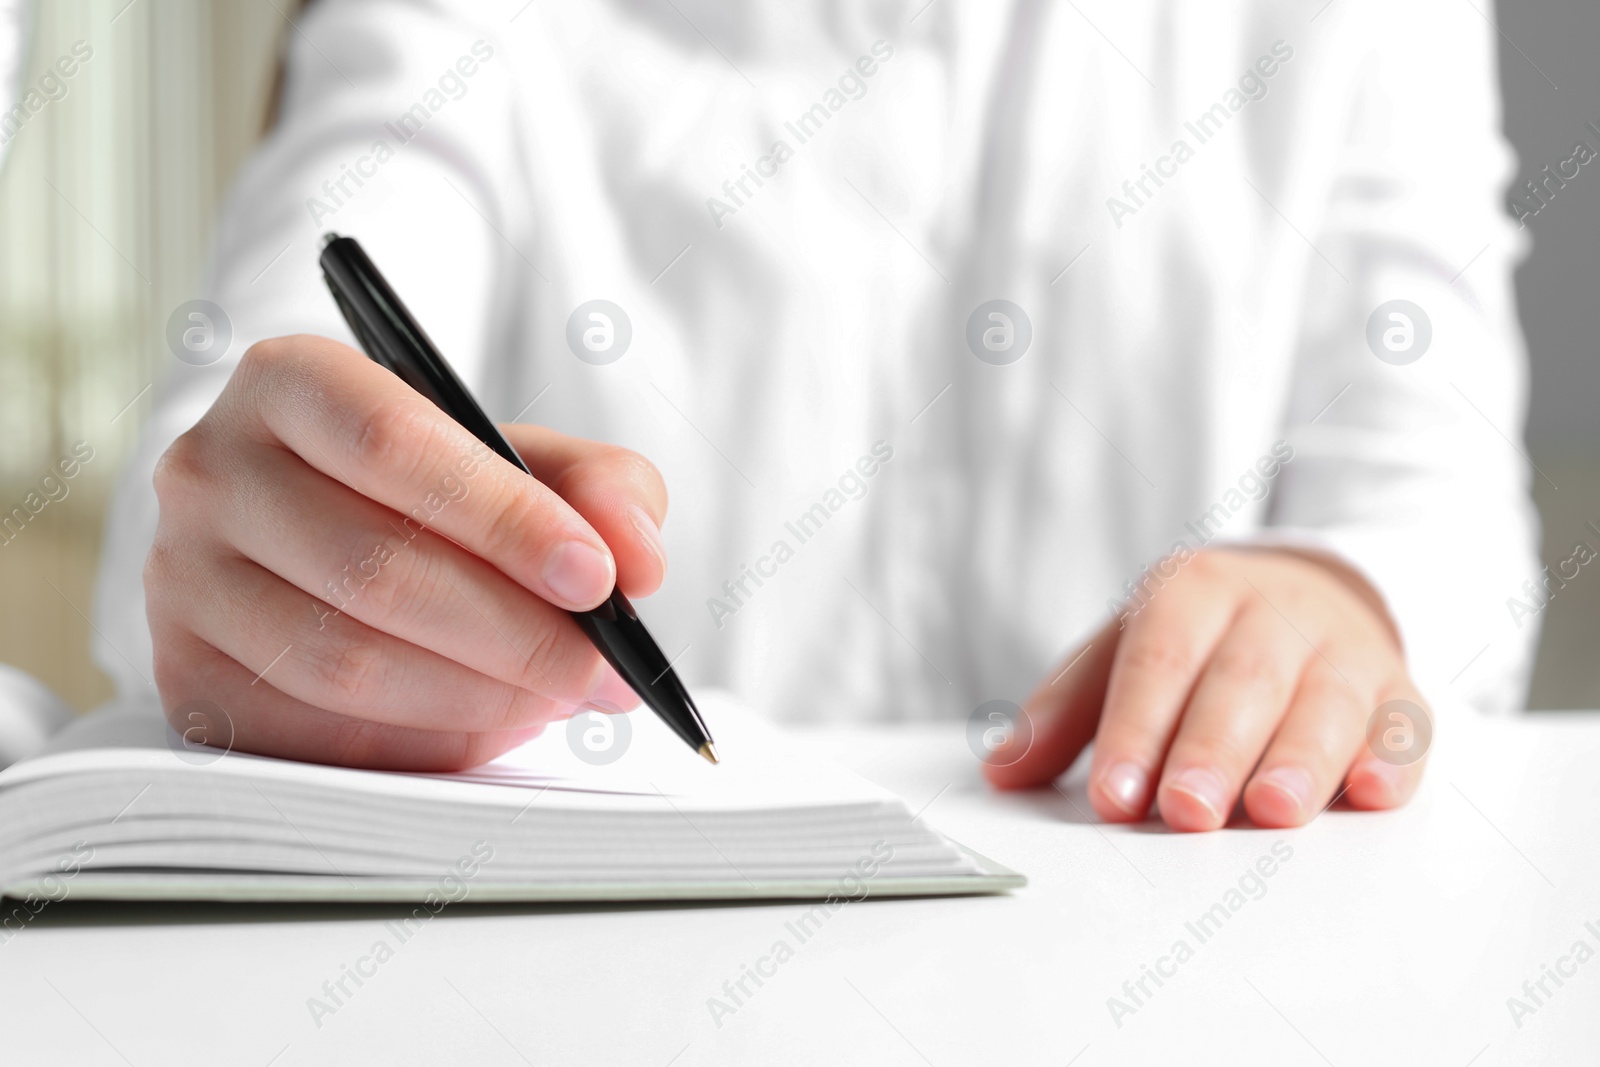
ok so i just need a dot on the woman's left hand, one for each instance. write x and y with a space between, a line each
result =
1250 672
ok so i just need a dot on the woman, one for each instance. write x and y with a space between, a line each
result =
1088 290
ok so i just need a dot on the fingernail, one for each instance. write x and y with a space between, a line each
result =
1387 775
1205 786
578 574
650 532
1293 782
1124 784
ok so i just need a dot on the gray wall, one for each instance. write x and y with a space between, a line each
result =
1552 89
1558 285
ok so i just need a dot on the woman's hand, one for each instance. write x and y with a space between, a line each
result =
1250 671
351 577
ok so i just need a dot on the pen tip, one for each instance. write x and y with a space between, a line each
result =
709 752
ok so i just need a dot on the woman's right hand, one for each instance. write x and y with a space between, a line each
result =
352 577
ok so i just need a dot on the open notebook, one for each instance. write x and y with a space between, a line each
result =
115 808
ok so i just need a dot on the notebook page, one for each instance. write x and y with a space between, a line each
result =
757 772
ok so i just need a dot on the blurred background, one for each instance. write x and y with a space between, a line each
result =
109 191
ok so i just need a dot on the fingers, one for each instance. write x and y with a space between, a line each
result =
1158 660
259 718
619 493
1402 731
1249 674
259 621
1059 718
362 567
358 423
360 559
1306 762
1236 706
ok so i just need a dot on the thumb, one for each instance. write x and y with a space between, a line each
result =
1059 719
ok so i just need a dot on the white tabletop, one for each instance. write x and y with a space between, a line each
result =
1393 938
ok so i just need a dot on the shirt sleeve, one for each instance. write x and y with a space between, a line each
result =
395 127
1409 462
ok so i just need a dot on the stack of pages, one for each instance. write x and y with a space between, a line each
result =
116 807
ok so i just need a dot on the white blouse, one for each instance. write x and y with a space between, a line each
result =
942 320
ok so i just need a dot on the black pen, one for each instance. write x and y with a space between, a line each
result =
394 340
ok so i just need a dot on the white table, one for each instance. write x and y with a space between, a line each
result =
1385 939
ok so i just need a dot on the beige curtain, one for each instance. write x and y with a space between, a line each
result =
106 201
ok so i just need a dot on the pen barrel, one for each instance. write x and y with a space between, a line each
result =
396 341
614 628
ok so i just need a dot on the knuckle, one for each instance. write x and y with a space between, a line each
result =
260 357
262 364
474 750
548 668
1209 565
638 470
1299 601
613 464
381 580
173 569
358 743
157 565
1314 753
1322 687
512 709
1223 751
271 350
181 469
1158 657
1250 668
511 525
170 667
351 674
395 436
